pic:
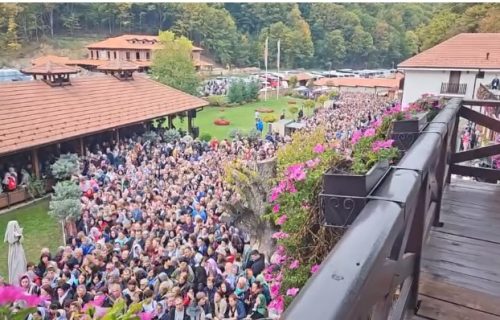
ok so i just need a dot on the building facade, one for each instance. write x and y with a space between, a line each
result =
456 67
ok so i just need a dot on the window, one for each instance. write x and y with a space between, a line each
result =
147 56
137 55
97 54
109 55
114 55
480 75
91 54
127 55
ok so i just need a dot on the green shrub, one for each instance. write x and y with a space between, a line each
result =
206 137
236 92
269 118
293 109
66 166
171 135
65 202
217 101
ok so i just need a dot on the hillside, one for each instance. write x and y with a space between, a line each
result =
319 35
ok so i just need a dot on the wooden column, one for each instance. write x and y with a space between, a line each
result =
82 147
36 163
117 135
170 122
190 123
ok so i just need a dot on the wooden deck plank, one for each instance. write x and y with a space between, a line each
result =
461 261
451 293
441 310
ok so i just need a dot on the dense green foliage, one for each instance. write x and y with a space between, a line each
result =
327 35
241 92
172 64
66 166
65 202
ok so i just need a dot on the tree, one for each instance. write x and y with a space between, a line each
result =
65 204
292 82
302 48
66 166
332 50
236 93
172 65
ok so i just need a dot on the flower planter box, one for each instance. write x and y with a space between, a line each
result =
4 200
410 125
345 195
405 132
17 196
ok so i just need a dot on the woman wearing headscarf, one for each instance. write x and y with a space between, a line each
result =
17 259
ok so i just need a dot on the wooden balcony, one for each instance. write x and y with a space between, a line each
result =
426 245
453 88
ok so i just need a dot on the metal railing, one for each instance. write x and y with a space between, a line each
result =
453 88
373 271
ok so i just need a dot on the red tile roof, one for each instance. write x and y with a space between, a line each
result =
466 50
34 113
52 58
131 41
49 67
360 82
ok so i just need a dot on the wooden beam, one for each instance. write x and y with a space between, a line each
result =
475 153
36 163
170 122
479 118
488 103
483 173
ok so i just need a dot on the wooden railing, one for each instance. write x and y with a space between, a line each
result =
453 88
373 272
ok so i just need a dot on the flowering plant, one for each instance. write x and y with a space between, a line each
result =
15 304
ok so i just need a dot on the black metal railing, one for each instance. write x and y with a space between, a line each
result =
453 88
373 272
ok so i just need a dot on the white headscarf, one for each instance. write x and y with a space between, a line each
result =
13 233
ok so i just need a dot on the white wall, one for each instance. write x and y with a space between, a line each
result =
419 82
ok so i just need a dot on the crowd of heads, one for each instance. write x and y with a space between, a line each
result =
154 227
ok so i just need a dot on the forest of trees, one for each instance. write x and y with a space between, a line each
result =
324 35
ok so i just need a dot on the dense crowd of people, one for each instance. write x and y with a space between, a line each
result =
215 87
154 227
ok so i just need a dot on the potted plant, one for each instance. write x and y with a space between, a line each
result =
347 185
408 124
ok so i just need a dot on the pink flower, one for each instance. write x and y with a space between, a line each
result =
377 123
294 264
319 148
275 289
356 136
280 235
274 195
314 268
145 315
313 163
292 292
277 304
382 144
281 220
296 172
268 277
291 188
370 132
276 208
280 249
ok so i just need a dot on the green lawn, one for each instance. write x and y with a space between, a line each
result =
241 117
40 230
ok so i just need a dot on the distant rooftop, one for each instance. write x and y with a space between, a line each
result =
131 41
466 50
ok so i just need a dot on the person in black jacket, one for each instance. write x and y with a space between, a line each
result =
179 312
257 262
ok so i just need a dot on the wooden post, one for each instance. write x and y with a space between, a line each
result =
82 147
36 163
117 135
170 121
190 123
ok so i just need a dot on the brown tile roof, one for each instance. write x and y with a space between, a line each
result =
49 67
34 113
131 41
466 50
360 82
118 65
47 58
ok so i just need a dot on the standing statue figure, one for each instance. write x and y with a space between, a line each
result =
17 258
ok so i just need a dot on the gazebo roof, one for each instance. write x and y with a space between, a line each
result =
49 67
